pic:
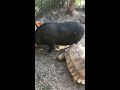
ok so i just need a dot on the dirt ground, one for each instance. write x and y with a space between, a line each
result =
51 74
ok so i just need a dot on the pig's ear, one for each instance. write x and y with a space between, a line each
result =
38 23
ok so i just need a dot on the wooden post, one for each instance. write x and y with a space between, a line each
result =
80 3
67 3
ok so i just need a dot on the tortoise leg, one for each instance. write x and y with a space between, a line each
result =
61 57
81 81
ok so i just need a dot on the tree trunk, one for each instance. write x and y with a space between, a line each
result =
71 7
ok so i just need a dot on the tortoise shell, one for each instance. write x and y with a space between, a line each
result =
75 59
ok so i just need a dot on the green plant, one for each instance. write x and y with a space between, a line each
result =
45 87
79 2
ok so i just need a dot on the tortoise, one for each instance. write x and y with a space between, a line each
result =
75 59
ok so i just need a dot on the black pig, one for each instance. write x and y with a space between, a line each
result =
53 33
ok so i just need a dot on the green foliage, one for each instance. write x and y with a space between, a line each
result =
79 2
44 87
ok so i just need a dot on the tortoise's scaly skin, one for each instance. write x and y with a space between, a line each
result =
75 59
